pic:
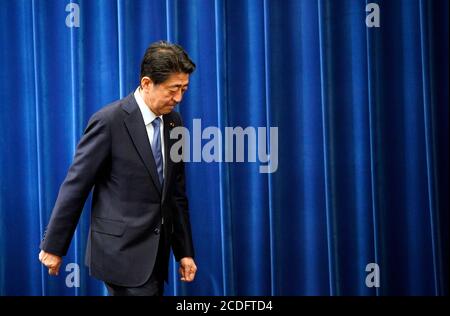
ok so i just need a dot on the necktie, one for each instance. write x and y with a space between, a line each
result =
156 148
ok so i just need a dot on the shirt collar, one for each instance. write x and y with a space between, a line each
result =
147 114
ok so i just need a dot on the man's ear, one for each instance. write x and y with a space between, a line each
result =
146 82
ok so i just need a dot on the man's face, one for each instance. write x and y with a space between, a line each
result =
163 98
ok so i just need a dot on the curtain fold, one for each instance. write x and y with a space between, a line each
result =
362 117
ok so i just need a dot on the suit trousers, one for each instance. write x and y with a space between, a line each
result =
154 286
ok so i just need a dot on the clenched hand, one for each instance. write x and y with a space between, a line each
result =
187 269
52 262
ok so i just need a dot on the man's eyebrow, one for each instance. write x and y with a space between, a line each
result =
179 85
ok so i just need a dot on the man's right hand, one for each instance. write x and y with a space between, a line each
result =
52 262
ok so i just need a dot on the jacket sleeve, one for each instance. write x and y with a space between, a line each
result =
92 150
182 243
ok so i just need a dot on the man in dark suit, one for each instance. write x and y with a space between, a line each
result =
139 205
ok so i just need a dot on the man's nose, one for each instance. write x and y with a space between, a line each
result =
178 96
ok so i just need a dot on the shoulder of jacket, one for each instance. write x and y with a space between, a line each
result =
109 111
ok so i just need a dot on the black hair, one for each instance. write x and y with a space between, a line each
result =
161 59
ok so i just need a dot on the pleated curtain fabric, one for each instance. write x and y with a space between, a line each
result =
361 184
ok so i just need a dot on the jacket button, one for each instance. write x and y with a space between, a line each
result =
156 231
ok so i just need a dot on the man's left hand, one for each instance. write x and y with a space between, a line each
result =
187 269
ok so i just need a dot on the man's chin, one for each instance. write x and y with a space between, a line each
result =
169 109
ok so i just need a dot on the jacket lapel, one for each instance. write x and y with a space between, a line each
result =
138 133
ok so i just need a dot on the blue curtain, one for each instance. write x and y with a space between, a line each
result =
362 115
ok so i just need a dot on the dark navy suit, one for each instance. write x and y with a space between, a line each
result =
114 157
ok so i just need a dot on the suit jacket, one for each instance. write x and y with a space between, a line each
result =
114 157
